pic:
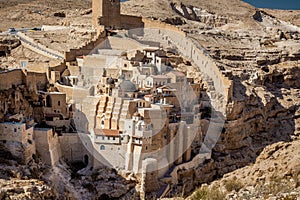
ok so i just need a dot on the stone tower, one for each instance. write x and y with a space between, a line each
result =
107 13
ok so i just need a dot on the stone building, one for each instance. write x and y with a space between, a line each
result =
18 139
138 114
56 112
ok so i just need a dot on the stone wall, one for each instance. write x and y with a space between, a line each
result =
47 145
18 139
71 92
106 12
58 67
37 47
124 43
12 77
72 147
129 22
87 48
221 87
148 23
36 81
14 132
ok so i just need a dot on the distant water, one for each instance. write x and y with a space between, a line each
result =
276 4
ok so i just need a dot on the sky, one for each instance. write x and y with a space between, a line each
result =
276 4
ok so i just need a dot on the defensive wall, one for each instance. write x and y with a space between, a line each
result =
15 77
130 22
87 48
72 92
122 43
36 80
11 77
37 47
58 67
169 35
72 147
47 145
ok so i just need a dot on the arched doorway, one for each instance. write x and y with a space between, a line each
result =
48 101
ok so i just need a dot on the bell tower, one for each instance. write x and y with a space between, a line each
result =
107 13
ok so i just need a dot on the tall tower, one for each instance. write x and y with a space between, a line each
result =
107 13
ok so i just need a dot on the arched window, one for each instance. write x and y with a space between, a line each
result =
102 147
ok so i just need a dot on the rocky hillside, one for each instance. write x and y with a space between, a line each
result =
35 13
261 50
36 180
274 175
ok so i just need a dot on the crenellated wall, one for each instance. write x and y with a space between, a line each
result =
87 48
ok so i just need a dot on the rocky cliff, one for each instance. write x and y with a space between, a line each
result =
261 50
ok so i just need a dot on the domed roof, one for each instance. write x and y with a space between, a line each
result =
127 86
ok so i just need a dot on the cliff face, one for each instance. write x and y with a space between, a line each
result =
261 51
274 175
259 48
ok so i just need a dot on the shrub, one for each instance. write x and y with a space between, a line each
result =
233 184
200 194
205 193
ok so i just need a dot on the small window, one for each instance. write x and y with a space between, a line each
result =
114 138
15 129
58 103
102 147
